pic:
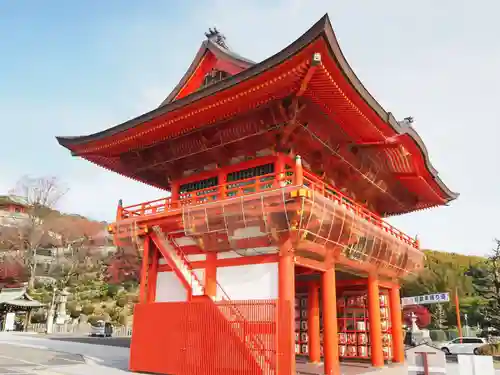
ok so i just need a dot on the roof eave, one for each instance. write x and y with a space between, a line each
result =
321 28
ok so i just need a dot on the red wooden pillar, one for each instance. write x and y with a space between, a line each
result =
374 319
313 326
211 275
153 273
286 308
174 194
330 334
398 354
144 270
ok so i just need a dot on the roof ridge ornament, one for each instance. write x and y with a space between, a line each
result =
407 121
217 37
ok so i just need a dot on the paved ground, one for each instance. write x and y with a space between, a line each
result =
25 354
22 354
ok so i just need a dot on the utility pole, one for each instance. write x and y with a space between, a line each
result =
457 309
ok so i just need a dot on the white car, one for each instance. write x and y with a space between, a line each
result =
101 329
463 345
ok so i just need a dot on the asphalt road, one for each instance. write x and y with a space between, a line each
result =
122 342
30 361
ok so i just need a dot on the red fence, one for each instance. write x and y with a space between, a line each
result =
202 337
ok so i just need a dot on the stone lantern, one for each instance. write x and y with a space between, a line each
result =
62 317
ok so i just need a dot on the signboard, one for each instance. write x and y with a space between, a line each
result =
426 299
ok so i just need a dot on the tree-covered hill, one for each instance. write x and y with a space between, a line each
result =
447 272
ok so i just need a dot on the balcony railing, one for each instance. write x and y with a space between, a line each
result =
314 183
255 185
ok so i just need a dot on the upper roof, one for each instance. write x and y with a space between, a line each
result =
18 297
212 54
189 103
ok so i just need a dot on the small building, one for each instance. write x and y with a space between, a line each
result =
12 210
16 303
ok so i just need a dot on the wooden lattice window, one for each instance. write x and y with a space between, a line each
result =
201 187
248 175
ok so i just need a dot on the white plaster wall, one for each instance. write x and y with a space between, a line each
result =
254 281
200 274
169 288
196 257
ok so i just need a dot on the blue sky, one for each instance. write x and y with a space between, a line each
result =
76 67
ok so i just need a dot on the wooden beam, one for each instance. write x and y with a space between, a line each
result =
315 61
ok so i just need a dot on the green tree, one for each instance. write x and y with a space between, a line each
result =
486 282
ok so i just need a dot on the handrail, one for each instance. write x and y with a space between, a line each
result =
225 296
222 191
259 183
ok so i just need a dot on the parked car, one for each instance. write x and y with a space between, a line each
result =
464 345
101 329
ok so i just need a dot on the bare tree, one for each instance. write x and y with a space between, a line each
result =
40 196
76 246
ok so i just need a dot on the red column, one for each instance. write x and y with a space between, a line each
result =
374 319
286 308
313 326
174 193
211 275
398 354
330 334
153 273
144 270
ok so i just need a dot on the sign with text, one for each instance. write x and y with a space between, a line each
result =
425 299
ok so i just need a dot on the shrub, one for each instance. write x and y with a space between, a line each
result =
122 319
88 309
112 290
114 313
46 297
489 349
452 334
134 298
122 301
438 335
38 317
74 309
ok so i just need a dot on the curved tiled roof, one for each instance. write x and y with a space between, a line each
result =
322 29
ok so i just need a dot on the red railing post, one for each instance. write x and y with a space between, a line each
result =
119 210
299 171
222 185
280 169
